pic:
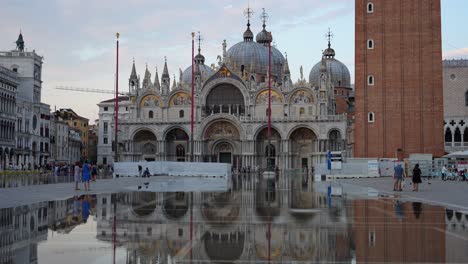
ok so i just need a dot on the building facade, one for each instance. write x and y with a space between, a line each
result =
455 73
32 116
230 116
8 86
398 91
93 132
80 124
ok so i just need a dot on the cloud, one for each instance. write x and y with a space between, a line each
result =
458 53
90 52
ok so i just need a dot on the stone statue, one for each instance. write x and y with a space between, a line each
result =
180 75
302 73
224 50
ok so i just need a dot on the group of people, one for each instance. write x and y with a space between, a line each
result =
400 174
84 173
460 173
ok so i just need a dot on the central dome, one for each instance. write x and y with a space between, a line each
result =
206 72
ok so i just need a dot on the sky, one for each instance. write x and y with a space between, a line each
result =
77 37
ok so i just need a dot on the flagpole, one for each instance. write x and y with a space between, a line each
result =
269 165
117 99
192 99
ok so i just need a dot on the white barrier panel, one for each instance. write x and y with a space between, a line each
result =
155 168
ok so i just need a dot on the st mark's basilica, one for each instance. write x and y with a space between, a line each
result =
231 102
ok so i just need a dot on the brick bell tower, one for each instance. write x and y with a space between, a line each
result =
398 81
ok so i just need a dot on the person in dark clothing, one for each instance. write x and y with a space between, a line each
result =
416 178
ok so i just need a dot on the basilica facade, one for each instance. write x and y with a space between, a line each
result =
230 110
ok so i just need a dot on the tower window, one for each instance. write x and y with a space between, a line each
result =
370 79
466 98
370 44
370 7
371 117
181 114
150 114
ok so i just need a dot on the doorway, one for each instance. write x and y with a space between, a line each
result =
225 157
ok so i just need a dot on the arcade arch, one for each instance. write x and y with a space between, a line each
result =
225 98
145 145
177 144
303 145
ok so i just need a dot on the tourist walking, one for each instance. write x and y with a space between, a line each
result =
76 175
398 176
94 172
416 178
443 172
86 174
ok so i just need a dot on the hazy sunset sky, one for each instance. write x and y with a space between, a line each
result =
77 37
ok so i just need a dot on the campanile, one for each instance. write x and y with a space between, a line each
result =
398 78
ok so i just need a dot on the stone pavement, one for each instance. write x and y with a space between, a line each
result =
11 197
452 194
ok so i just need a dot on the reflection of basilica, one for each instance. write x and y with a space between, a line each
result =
231 100
227 227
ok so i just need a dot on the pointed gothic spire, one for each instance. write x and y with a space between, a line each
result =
165 70
174 84
133 75
20 42
147 79
156 84
286 65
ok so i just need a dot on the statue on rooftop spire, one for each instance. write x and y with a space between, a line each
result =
20 42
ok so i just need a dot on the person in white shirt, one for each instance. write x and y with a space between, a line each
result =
444 172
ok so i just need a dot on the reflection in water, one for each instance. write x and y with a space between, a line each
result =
297 224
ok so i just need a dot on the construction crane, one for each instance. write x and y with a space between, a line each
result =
88 90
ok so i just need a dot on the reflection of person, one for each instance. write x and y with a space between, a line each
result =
416 178
398 176
85 208
76 208
140 169
417 209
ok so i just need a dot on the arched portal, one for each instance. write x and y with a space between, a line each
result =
448 136
175 205
221 140
267 149
334 140
145 145
225 98
177 143
457 136
303 144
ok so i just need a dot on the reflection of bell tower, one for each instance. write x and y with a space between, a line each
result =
133 82
165 79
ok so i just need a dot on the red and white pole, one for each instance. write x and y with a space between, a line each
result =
192 99
117 99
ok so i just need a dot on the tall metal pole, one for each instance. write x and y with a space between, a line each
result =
116 158
269 158
192 116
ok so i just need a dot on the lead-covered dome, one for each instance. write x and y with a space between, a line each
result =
339 73
205 70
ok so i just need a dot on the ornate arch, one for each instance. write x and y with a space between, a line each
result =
224 80
221 129
301 95
261 97
291 131
179 98
258 130
139 129
150 99
170 128
219 117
